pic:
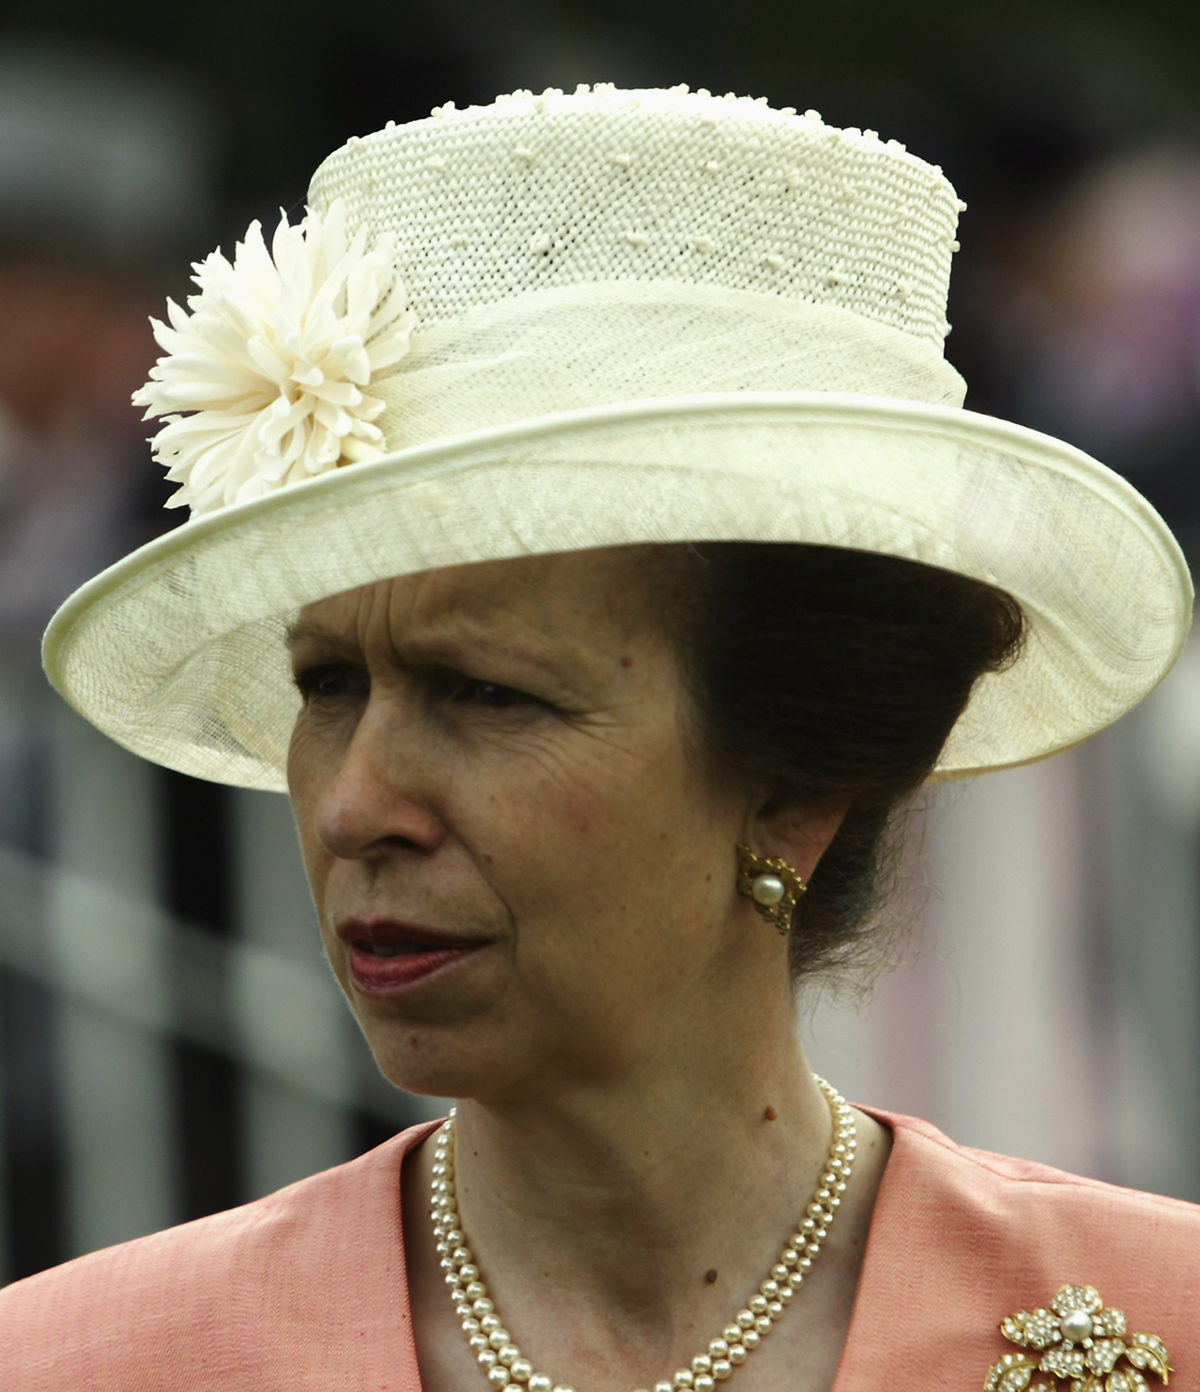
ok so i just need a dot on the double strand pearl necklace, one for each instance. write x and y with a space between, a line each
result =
507 1368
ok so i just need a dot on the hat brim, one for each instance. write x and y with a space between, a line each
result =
177 651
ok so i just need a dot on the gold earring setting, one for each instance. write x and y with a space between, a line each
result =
772 885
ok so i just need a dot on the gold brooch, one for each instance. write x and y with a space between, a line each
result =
1078 1340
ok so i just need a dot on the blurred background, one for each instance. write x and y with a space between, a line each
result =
171 1042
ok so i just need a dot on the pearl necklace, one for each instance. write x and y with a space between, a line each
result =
508 1370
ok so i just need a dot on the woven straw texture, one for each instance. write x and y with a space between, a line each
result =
608 185
649 316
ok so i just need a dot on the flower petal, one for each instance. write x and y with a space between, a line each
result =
1064 1363
1149 1351
1109 1322
260 384
1011 1374
1037 1330
1069 1298
358 451
1126 1380
1103 1354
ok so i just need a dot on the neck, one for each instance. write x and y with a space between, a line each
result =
620 1228
633 1196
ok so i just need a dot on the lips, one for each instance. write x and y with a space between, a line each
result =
388 957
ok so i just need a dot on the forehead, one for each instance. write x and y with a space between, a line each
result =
567 594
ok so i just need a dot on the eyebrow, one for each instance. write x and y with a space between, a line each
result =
306 631
436 652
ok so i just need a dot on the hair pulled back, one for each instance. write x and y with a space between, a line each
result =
830 675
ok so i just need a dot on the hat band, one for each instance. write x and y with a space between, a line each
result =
546 351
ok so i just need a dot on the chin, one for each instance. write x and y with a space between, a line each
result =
434 1077
460 1061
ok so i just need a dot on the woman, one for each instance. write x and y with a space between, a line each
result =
651 565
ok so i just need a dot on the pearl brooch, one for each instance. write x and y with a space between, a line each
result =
1077 1340
506 1367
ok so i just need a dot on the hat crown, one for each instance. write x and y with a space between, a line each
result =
606 185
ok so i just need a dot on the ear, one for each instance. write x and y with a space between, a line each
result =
798 834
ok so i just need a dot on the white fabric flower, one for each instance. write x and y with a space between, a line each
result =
271 362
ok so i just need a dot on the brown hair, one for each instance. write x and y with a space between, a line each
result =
830 675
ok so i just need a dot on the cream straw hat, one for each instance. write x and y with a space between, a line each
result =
569 321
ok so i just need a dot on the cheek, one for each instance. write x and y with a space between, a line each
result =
306 779
606 860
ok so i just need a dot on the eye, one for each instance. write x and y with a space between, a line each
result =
329 683
486 693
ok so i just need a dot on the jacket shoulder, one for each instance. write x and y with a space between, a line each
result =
992 1177
233 1300
962 1238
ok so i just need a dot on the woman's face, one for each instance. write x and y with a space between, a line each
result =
521 874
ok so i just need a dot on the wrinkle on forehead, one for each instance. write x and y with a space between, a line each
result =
558 601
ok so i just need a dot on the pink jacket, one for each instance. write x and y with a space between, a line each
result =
306 1288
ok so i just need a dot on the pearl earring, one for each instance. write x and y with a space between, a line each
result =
773 886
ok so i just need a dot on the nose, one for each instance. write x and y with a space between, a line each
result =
382 796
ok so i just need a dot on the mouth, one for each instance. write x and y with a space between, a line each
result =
387 957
